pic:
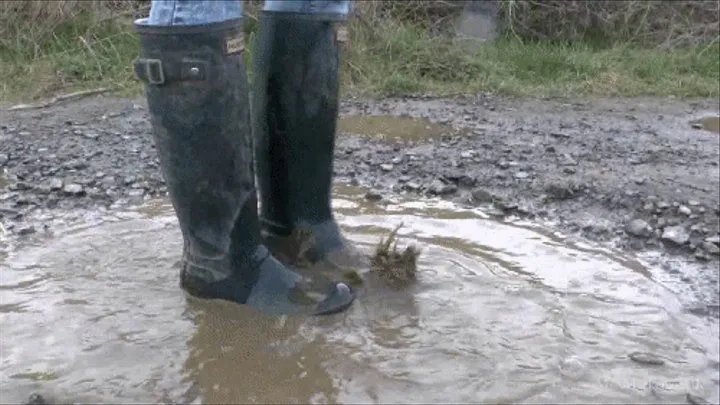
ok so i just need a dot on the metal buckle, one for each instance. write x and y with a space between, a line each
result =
154 71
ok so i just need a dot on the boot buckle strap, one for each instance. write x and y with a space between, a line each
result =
151 71
155 72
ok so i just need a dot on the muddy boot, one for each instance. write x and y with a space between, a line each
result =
197 96
295 110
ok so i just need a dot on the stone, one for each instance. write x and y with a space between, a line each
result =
439 188
373 195
638 227
74 189
646 358
568 160
710 248
713 239
26 230
413 186
676 234
684 210
468 154
481 196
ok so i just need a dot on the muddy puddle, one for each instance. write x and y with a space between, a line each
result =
388 127
501 313
711 124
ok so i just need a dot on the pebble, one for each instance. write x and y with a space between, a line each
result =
387 167
521 175
411 185
569 170
676 234
56 184
74 189
26 230
713 239
638 227
439 188
373 195
700 255
568 161
711 248
572 368
684 210
646 358
8 212
481 196
559 192
468 154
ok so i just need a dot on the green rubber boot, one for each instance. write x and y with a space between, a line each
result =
197 95
295 110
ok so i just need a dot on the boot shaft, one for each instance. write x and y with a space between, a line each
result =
295 103
198 102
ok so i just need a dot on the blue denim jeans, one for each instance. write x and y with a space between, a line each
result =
196 12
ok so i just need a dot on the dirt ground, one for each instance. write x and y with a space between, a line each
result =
631 173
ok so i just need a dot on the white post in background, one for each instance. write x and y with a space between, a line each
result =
479 21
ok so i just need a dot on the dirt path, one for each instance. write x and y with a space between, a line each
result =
631 173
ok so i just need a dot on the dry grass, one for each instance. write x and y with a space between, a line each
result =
551 47
664 23
667 23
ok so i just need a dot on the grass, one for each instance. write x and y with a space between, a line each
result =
393 58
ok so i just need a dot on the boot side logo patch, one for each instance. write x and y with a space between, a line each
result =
342 35
235 44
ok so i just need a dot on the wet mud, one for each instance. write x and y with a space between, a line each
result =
631 174
509 314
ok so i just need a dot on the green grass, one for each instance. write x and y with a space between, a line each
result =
390 59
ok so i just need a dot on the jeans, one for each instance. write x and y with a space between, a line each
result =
197 12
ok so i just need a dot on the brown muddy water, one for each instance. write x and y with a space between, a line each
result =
711 124
501 313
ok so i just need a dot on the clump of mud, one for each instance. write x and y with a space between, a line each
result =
397 269
301 241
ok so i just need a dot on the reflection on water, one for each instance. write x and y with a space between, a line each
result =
500 314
